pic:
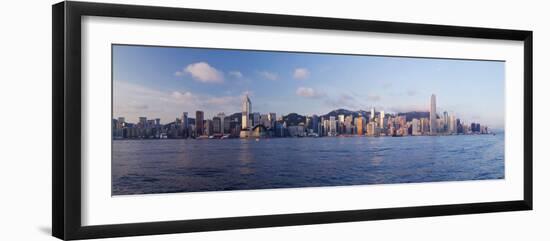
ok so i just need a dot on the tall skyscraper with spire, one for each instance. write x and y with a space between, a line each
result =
246 108
433 116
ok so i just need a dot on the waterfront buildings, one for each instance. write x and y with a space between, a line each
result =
332 126
372 130
416 127
255 119
452 124
315 124
360 125
208 128
142 122
199 123
221 116
272 118
339 122
424 126
382 116
227 125
445 122
185 120
217 125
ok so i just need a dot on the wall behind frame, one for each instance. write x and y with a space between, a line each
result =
25 97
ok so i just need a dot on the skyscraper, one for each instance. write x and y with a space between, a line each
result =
424 126
341 118
142 122
216 125
255 119
416 131
452 124
359 125
120 122
185 125
185 121
199 122
227 125
340 124
264 120
246 108
272 118
208 126
371 129
372 114
332 126
382 116
315 123
433 118
325 126
221 115
348 125
445 121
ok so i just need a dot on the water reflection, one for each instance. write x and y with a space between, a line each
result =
245 155
376 160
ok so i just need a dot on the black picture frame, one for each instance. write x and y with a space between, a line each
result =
66 127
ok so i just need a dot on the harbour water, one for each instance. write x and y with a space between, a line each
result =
188 165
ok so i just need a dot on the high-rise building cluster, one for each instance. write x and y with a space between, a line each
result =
247 124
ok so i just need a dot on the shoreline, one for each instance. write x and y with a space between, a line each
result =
298 137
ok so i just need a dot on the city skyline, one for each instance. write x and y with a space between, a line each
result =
245 119
249 124
215 81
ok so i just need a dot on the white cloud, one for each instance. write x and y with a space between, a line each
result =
202 72
301 73
308 92
236 74
182 96
268 75
132 100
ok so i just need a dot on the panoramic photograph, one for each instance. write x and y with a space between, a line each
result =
188 119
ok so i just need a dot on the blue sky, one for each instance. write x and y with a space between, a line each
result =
163 82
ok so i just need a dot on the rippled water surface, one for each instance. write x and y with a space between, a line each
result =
164 166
